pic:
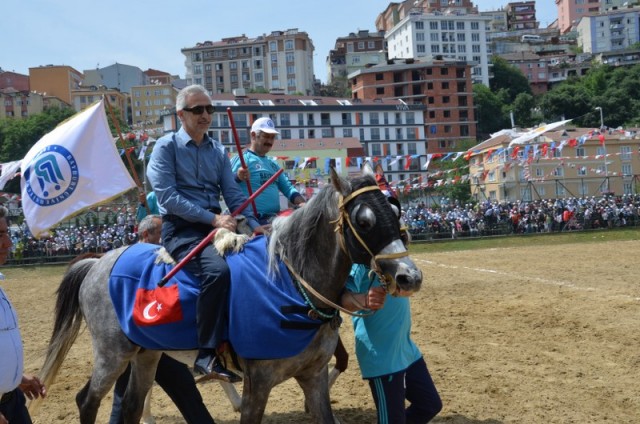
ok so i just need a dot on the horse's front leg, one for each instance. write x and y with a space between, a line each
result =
143 372
255 392
316 395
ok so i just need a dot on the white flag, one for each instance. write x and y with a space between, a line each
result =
73 167
9 171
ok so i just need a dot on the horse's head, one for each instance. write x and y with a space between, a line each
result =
371 232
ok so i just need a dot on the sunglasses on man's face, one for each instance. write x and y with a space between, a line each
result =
199 110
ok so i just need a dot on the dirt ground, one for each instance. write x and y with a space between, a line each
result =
510 335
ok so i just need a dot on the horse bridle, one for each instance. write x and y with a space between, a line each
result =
387 282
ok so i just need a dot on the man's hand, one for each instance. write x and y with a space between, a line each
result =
225 221
3 420
243 174
32 387
263 229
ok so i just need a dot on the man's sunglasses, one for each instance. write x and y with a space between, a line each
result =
199 110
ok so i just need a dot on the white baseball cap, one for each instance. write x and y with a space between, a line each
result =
265 125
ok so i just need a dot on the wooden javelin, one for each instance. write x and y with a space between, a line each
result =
205 241
241 156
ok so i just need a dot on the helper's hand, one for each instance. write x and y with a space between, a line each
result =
225 221
375 298
32 387
243 174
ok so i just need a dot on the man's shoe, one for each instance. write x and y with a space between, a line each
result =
209 367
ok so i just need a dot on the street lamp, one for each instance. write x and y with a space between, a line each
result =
604 148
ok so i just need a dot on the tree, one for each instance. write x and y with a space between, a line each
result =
508 77
524 110
18 136
489 111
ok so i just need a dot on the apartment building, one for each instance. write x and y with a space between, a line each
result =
443 87
453 34
55 80
609 31
14 80
388 130
570 162
355 51
16 104
118 76
280 61
149 103
83 97
570 11
521 15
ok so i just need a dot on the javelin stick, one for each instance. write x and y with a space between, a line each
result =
212 234
241 156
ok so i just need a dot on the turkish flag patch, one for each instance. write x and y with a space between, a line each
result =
157 306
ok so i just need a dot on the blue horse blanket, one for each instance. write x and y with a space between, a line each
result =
267 315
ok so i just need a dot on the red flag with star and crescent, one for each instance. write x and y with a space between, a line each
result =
157 306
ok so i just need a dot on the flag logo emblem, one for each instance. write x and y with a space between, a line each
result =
52 176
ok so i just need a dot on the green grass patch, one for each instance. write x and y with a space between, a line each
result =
594 236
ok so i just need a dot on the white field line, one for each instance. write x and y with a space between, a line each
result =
511 275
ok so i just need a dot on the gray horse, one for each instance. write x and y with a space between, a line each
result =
349 221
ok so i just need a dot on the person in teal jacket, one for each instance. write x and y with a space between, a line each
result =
151 201
260 168
389 360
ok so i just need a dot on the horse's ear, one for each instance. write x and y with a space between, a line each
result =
367 169
338 183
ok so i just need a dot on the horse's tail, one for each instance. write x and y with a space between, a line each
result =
68 318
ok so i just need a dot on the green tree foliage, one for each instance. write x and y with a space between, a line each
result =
615 90
508 77
489 110
339 87
524 113
17 136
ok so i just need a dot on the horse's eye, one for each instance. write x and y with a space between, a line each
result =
363 217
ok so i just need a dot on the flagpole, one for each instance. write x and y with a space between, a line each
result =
126 151
212 234
241 156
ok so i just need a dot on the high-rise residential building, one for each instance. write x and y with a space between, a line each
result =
355 51
609 31
498 22
149 103
444 87
521 15
389 131
55 80
455 32
280 61
119 76
570 11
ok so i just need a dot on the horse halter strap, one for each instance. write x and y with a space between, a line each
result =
388 284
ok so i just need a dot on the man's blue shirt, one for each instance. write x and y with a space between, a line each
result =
188 179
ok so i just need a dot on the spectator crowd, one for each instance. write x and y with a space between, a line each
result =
453 220
444 220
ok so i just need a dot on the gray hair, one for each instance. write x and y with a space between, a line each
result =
181 100
149 224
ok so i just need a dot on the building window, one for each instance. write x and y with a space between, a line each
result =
288 45
419 25
273 46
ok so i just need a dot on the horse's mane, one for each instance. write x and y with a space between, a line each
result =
301 236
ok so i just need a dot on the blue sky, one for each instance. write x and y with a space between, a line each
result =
149 34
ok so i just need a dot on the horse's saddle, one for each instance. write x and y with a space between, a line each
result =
267 316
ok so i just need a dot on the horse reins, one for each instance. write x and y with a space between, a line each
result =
389 284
